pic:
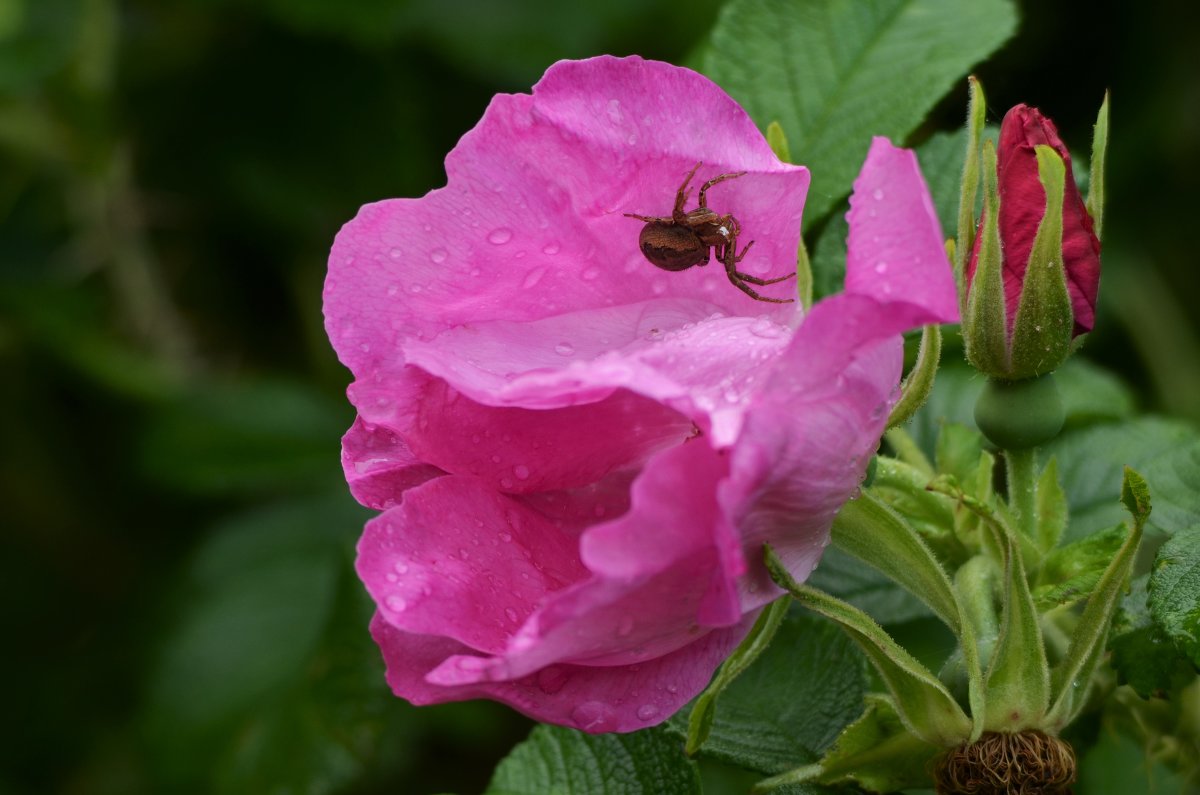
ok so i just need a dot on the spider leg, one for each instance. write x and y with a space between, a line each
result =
648 218
682 194
739 279
714 181
755 280
748 291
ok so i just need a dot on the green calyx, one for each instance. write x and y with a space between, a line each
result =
1016 415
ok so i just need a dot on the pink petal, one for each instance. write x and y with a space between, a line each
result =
460 560
595 699
530 223
896 248
650 571
379 466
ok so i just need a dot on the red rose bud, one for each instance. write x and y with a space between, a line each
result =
1035 264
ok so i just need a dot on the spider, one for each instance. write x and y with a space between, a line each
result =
687 238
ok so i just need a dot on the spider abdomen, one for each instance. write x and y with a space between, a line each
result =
672 247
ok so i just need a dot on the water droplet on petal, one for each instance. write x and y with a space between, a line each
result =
401 567
438 255
564 349
880 266
626 626
512 614
395 253
878 194
521 471
551 680
506 483
533 277
550 249
590 273
500 236
647 711
594 717
396 603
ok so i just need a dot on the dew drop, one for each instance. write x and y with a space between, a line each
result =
550 249
500 236
395 253
614 111
533 277
462 553
506 483
512 614
593 716
438 255
564 349
625 626
590 274
396 603
878 194
880 266
392 290
505 536
521 471
647 711
401 567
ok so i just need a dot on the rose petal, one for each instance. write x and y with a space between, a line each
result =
593 699
460 560
379 466
530 222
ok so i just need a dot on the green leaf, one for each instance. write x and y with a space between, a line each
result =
873 533
777 140
941 160
1070 573
917 385
1142 654
1051 509
245 437
958 450
268 680
1071 676
1091 462
875 751
752 646
765 719
834 73
923 702
1175 591
864 587
569 762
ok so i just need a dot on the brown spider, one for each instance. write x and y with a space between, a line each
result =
686 239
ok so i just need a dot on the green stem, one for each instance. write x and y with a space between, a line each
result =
1022 488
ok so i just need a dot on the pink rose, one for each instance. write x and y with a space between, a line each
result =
578 455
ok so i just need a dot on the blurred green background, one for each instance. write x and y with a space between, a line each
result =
180 612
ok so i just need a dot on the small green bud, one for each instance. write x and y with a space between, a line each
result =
1015 415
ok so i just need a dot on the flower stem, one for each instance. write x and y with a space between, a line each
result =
1022 488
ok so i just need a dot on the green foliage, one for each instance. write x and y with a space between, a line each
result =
569 762
827 71
822 674
1174 586
1142 654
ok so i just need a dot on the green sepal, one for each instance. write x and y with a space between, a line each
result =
777 140
1018 676
985 325
918 384
974 587
1071 573
804 276
902 487
1071 676
872 532
1051 509
922 702
754 644
1042 329
1095 199
976 113
876 751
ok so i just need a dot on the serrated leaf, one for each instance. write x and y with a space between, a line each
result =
1092 461
1070 573
958 450
765 719
1175 591
875 751
864 587
752 646
569 762
1095 199
1051 509
922 702
834 73
1142 655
